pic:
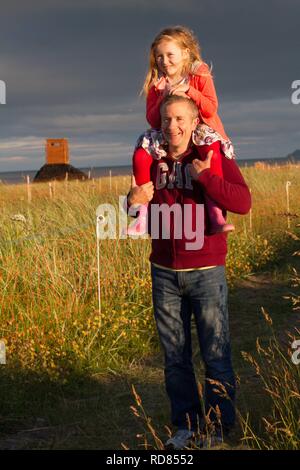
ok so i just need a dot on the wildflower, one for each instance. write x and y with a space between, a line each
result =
19 218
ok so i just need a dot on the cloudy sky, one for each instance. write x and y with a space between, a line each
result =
74 68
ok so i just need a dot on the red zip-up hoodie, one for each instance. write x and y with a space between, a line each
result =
173 185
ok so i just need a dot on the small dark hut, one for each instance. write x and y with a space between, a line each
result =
57 166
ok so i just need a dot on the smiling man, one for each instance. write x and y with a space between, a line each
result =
188 281
179 120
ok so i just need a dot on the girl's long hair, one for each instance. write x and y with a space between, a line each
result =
185 39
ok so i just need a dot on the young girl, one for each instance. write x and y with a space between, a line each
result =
176 67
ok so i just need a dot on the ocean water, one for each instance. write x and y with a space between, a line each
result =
19 177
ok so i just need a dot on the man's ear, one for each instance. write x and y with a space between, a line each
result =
195 123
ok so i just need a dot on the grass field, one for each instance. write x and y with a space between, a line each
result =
68 378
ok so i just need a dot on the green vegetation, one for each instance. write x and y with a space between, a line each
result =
69 369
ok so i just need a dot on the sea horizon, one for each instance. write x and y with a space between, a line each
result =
20 176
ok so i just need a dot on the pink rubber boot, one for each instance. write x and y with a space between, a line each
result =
140 225
217 222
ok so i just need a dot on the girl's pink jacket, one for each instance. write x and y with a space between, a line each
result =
202 92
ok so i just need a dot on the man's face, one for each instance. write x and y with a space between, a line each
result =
177 123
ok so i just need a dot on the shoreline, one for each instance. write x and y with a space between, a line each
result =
18 177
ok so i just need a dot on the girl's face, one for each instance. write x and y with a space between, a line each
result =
170 58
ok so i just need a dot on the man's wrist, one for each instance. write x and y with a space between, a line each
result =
132 199
202 172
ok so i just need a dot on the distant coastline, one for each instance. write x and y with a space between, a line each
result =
19 177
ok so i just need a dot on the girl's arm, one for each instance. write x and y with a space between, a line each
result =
202 91
153 103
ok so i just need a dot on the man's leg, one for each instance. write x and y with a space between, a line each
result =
173 319
208 294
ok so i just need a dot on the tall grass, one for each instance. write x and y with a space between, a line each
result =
277 365
48 272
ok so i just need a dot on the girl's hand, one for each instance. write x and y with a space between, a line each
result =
165 92
179 89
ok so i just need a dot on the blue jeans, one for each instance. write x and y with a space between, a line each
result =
176 295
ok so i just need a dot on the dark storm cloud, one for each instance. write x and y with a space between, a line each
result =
74 68
79 48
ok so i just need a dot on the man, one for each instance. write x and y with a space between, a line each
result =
189 278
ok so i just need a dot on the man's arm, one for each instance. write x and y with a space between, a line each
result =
230 192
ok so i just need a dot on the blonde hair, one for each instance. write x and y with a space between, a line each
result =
185 39
170 99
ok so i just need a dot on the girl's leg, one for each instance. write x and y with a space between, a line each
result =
139 227
217 221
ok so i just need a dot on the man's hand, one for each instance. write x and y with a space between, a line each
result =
140 194
199 165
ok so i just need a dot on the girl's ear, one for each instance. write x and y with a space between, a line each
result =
186 53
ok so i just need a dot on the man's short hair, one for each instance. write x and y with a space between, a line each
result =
170 99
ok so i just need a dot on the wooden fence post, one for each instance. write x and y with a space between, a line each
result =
288 184
250 214
28 189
